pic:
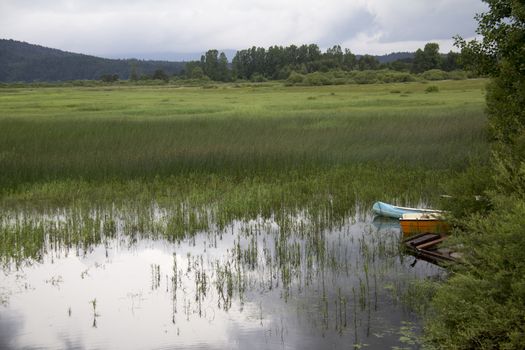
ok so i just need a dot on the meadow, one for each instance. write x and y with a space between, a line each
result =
356 138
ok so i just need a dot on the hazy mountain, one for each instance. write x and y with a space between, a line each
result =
391 57
168 56
20 61
394 56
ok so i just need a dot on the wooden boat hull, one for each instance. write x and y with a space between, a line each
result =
415 226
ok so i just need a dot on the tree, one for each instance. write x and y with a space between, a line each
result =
133 75
426 59
210 64
482 305
451 62
223 73
314 53
366 62
190 71
336 55
349 60
402 65
500 54
159 74
197 73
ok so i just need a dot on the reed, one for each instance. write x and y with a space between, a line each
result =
128 133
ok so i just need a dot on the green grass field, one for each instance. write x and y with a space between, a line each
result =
254 147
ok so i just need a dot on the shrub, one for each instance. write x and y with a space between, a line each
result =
317 79
432 88
434 74
258 78
403 77
109 78
295 78
284 73
457 75
365 77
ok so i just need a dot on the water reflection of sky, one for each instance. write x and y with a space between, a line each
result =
50 304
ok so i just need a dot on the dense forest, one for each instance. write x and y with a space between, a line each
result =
278 62
21 61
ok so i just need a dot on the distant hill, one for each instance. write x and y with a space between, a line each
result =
394 56
169 55
20 61
391 57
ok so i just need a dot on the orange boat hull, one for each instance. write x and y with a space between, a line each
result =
413 226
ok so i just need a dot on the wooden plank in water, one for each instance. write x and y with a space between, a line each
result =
421 239
409 238
431 243
434 255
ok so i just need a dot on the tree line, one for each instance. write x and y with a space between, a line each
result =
278 62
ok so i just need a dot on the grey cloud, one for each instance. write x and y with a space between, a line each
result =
111 27
434 20
347 27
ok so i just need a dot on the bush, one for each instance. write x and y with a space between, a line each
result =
365 77
258 78
283 73
403 77
482 305
109 78
457 75
295 78
434 74
318 78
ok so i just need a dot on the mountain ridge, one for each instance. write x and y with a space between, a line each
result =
22 61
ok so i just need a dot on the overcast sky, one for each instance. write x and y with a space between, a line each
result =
119 27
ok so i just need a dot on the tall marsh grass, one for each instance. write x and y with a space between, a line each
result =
245 149
33 150
101 134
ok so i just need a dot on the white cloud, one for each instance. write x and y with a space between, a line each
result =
121 26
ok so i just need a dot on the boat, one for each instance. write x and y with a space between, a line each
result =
385 223
393 211
415 223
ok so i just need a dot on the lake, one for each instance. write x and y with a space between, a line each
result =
264 283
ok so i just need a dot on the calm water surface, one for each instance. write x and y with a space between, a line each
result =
253 284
